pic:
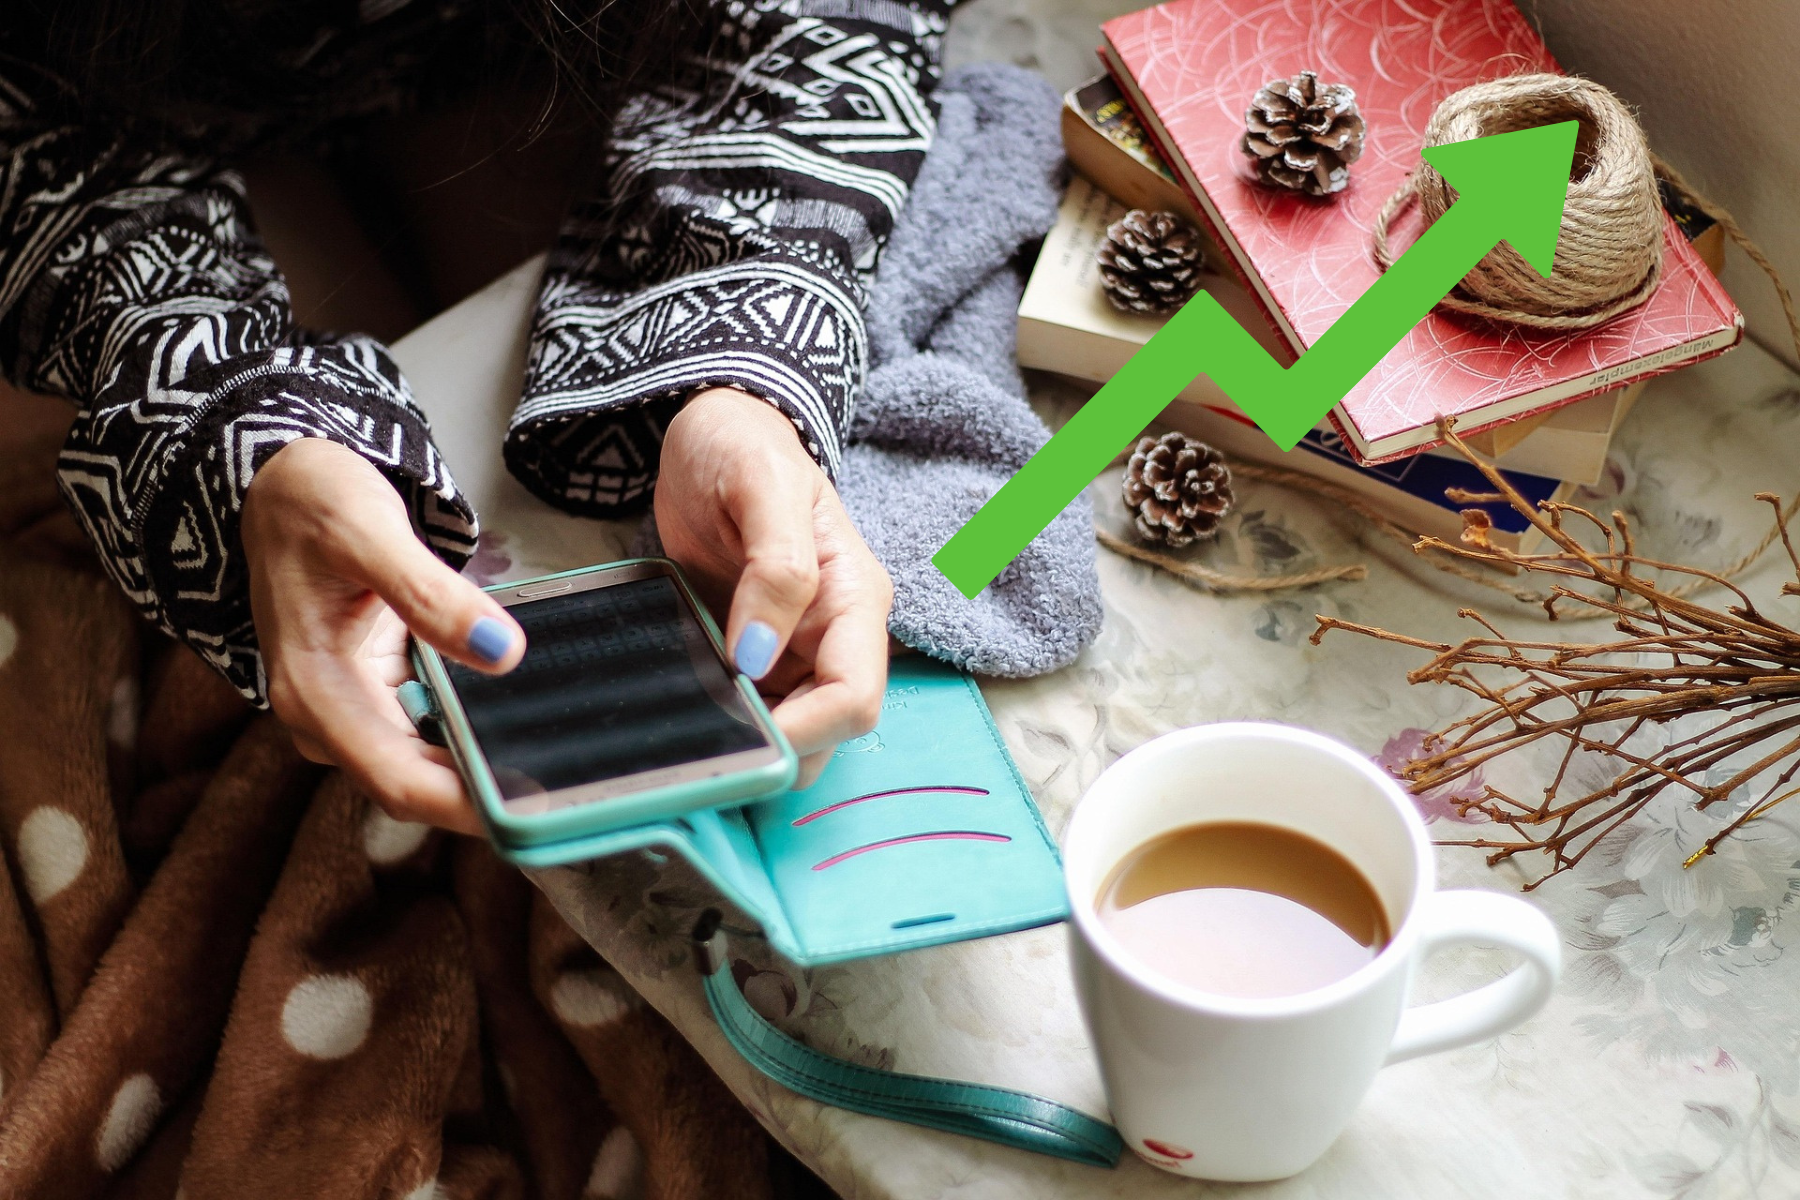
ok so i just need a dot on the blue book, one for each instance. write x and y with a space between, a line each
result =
1426 477
1411 491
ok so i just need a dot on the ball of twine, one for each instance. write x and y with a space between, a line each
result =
1609 255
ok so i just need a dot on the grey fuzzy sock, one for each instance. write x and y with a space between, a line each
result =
943 421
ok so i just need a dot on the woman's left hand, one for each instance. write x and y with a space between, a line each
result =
755 522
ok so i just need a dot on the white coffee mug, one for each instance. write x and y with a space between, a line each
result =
1221 1087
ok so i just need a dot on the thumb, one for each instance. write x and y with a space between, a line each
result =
439 606
781 570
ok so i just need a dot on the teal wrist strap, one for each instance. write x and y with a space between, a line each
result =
1016 1119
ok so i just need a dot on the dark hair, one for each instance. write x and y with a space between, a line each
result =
596 51
143 57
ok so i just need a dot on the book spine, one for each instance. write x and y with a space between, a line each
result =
1419 513
1116 172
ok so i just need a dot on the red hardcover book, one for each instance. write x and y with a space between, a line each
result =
1190 67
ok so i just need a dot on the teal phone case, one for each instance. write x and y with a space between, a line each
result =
917 834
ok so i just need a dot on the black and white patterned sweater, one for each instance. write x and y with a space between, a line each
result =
730 243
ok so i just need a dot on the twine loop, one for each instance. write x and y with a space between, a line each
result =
1608 259
1609 254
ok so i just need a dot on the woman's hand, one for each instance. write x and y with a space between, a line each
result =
337 578
755 522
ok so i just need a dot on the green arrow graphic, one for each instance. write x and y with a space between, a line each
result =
1510 187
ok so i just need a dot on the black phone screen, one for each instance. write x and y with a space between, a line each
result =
616 680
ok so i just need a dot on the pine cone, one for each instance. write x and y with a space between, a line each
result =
1179 489
1150 262
1303 134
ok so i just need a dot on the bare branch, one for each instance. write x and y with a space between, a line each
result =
1733 669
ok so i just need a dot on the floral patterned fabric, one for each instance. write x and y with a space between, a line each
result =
1668 1063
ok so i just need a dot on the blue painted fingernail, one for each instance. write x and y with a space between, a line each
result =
490 639
755 652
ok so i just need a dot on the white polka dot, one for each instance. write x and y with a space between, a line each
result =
9 638
135 1107
428 1190
618 1168
589 997
387 841
327 1016
52 850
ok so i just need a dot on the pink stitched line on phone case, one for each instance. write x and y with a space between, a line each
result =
831 808
969 835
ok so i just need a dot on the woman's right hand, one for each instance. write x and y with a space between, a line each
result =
337 579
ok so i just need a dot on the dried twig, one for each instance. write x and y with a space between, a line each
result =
1676 658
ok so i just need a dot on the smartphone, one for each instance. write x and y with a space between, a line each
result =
625 710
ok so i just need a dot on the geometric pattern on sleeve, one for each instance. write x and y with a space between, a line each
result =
743 210
132 283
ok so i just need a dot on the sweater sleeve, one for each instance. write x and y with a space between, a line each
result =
132 283
731 243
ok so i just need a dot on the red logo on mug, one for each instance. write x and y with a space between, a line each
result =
1164 1150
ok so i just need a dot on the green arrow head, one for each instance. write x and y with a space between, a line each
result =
1519 179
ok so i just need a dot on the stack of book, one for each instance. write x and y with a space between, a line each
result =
1161 130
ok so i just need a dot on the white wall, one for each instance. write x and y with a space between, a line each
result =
1713 80
1714 83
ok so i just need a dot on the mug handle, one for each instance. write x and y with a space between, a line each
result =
1480 918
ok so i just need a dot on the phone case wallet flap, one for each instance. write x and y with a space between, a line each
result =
917 834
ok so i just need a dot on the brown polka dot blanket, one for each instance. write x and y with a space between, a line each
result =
225 973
